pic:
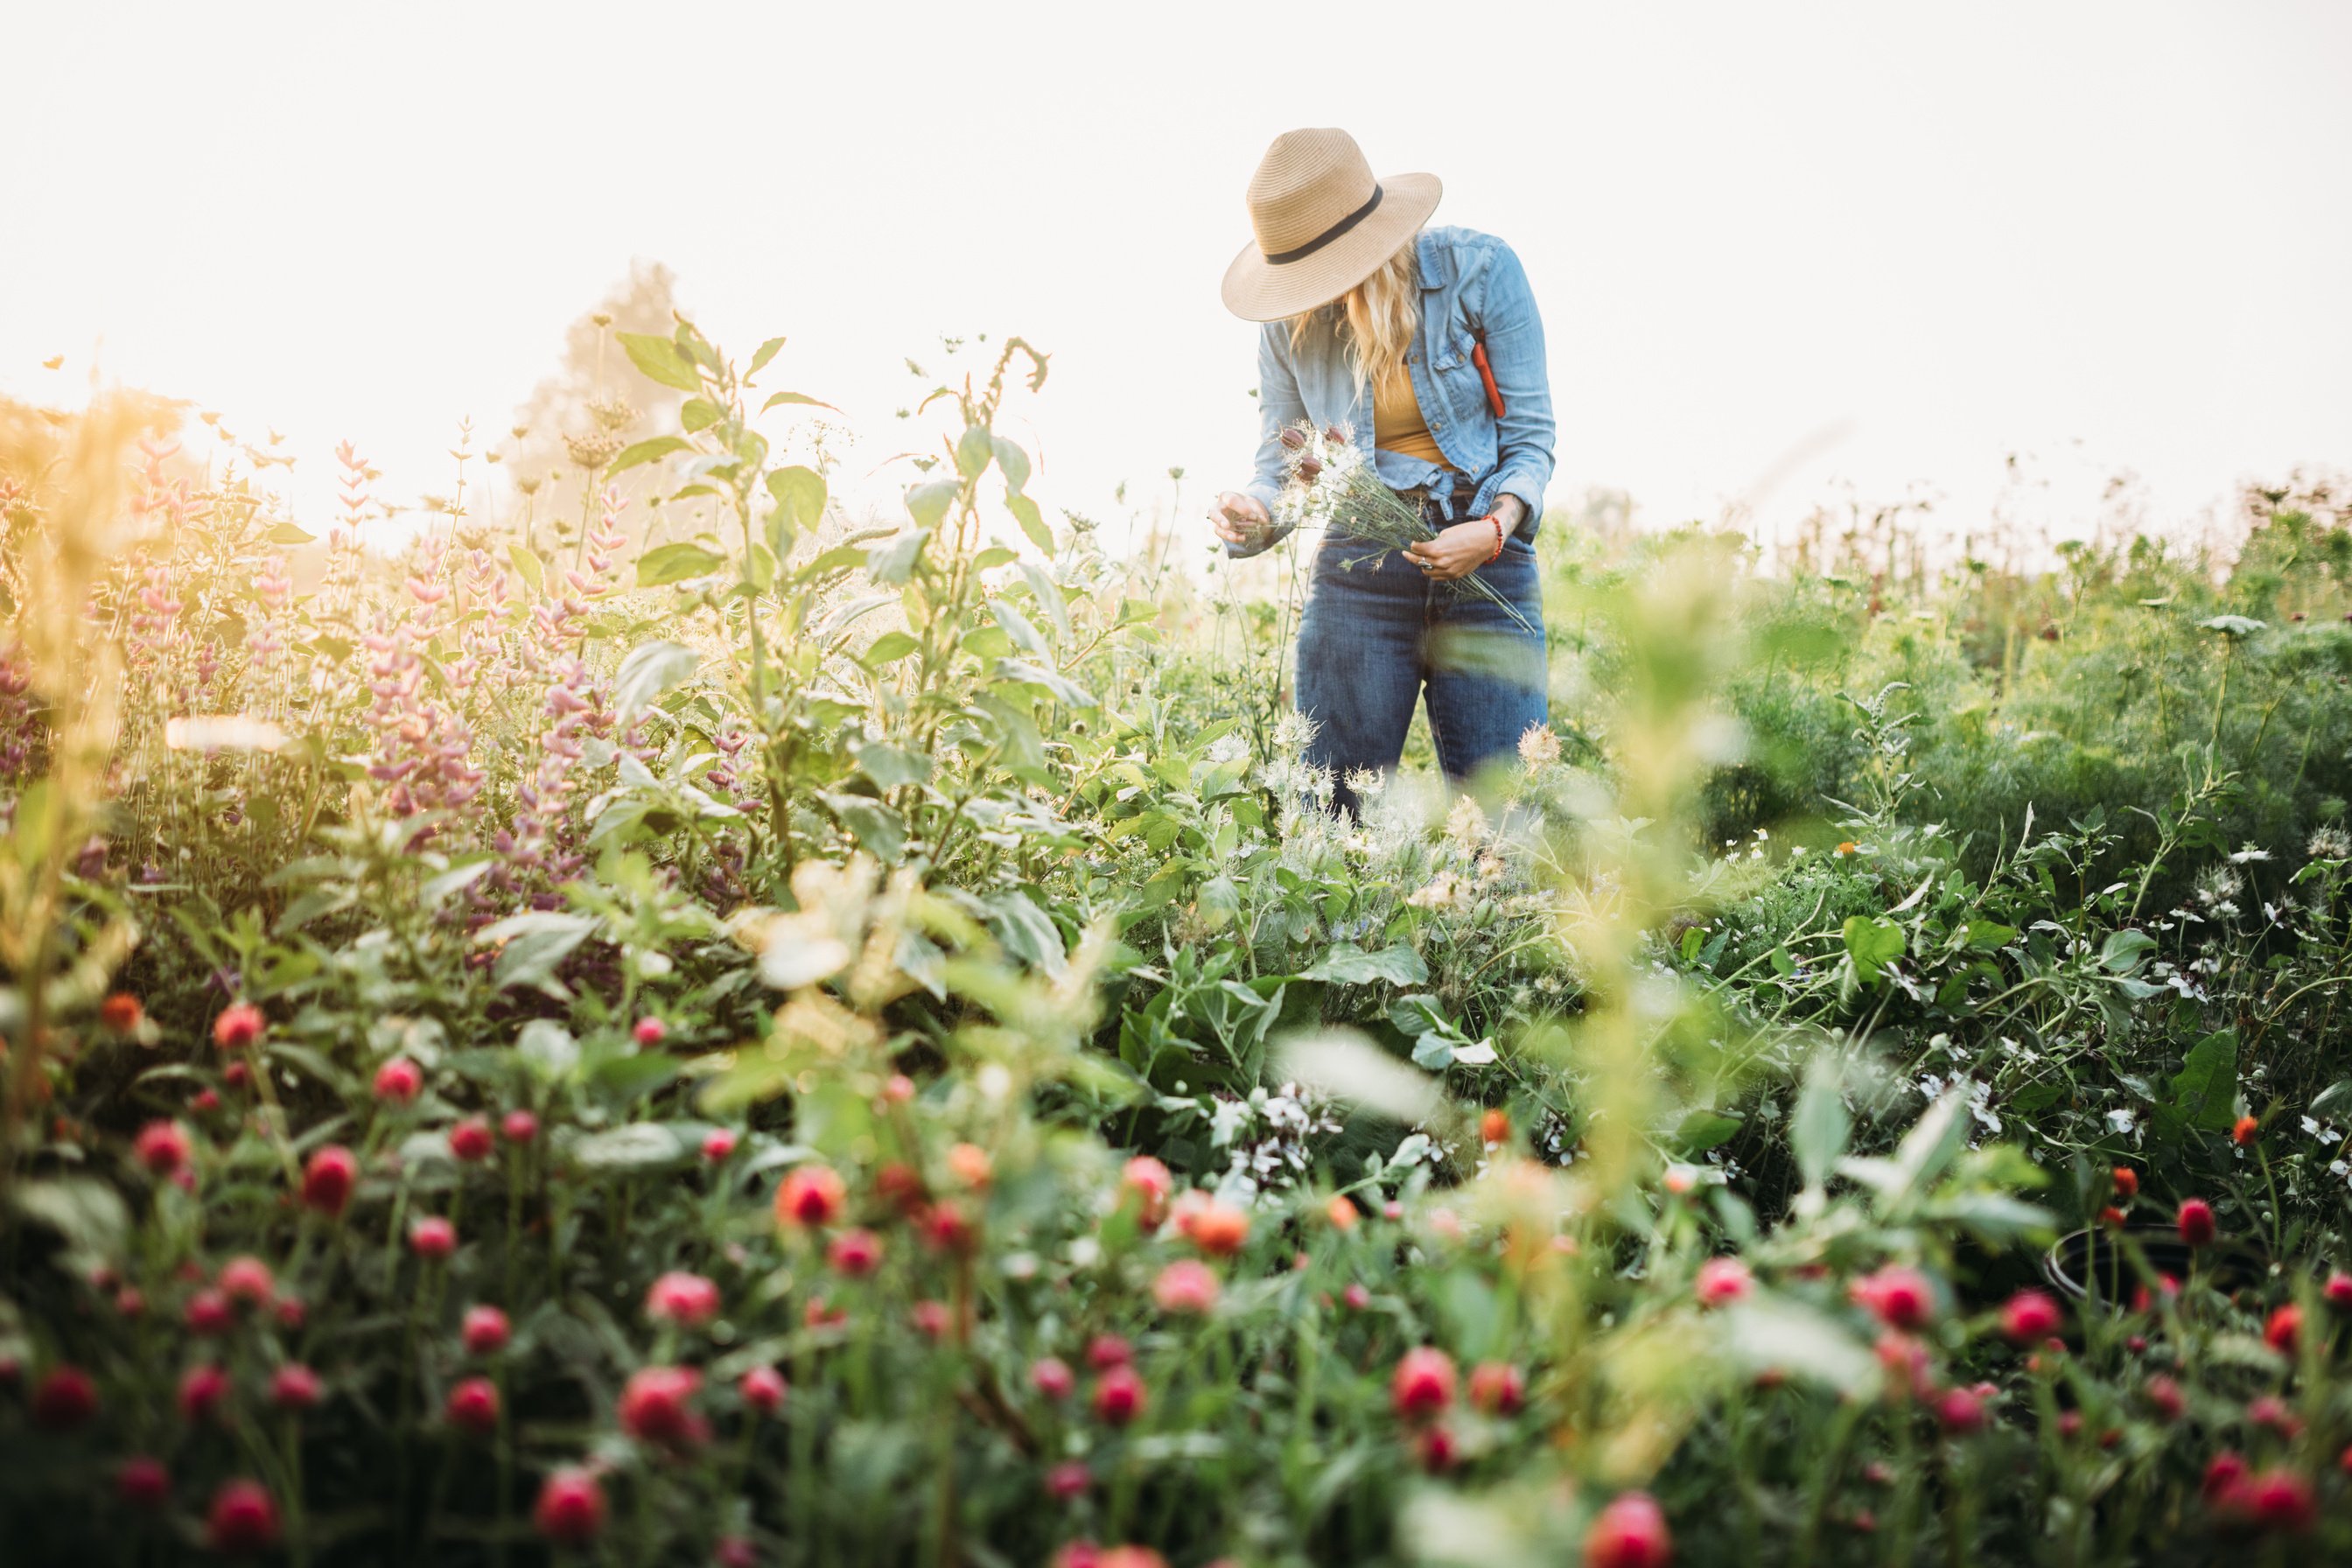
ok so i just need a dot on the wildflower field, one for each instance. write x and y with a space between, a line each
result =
646 1020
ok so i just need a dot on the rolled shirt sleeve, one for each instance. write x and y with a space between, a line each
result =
1515 353
1279 406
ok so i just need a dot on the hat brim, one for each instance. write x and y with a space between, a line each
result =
1256 290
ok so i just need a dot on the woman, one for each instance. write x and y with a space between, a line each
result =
1426 342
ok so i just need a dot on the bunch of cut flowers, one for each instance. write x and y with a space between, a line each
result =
1331 484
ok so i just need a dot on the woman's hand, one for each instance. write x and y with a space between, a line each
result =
1239 518
1457 552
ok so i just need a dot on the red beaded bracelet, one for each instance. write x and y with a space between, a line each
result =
1499 539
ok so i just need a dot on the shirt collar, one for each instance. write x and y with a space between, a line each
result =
1435 268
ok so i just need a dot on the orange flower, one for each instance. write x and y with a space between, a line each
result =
968 1163
2244 1132
1342 1213
121 1012
1848 847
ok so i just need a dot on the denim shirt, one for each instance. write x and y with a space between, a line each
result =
1470 283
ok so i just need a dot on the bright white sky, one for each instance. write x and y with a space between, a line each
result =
1909 239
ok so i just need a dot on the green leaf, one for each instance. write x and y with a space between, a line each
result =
1016 626
698 413
1033 522
2205 1091
677 563
535 943
767 351
288 533
662 360
548 1047
1704 1130
1873 943
529 567
778 399
1348 965
649 672
974 451
89 1214
1015 462
890 766
1821 1125
879 830
639 1146
1988 936
1064 690
886 647
893 560
645 451
800 495
929 503
2125 950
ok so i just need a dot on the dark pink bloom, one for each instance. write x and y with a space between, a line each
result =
247 1281
650 1032
163 1147
1631 1532
399 1082
1118 1395
856 1253
239 1027
143 1483
203 1390
294 1387
433 1236
328 1180
1723 1280
1898 1297
244 1517
686 1299
571 1508
718 1145
1423 1385
486 1330
1496 1388
470 1140
2196 1222
473 1406
1052 1377
655 1406
64 1399
518 1127
763 1389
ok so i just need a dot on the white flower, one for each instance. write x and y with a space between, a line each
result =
1228 749
2122 1121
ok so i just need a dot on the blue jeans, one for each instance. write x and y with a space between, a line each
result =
1377 636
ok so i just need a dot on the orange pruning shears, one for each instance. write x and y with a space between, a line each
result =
1486 373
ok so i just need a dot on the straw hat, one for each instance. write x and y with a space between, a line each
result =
1324 225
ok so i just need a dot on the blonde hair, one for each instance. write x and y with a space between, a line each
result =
1382 314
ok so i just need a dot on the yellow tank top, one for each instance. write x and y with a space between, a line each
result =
1397 422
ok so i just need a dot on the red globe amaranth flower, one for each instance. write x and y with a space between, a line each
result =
1905 1363
204 1101
238 1028
1723 1280
294 1387
121 1012
968 1163
901 1185
470 1140
290 1312
1068 1479
655 1407
473 1406
899 1090
855 1253
2164 1397
433 1236
2225 1471
649 1032
163 1148
689 1300
1898 1297
1106 1351
328 1180
2165 1283
1218 1229
1118 1395
1052 1377
244 1517
63 1400
2126 1181
247 1281
2269 1410
947 1228
1496 1388
2030 1315
518 1127
1959 1412
931 1319
2284 1329
203 1391
571 1508
1423 1385
399 1082
1150 1183
2245 1131
763 1389
735 1551
2337 1290
2281 1501
143 1483
2196 1222
237 1075
810 1196
718 1145
1631 1532
486 1330
130 1301
1186 1286
209 1313
1435 1446
1356 1296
